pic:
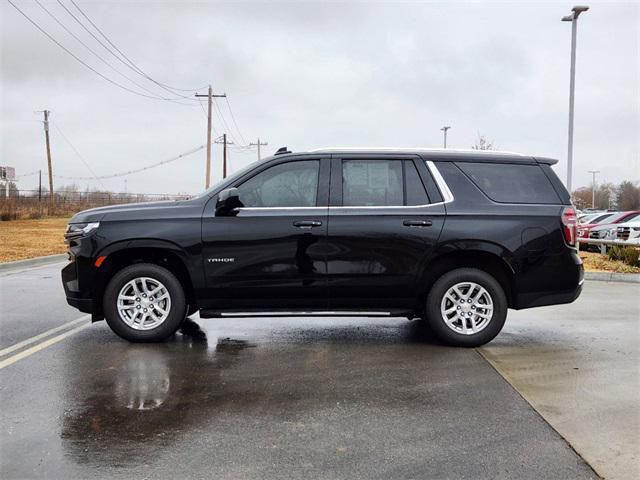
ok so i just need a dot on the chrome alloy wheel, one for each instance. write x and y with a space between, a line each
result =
467 308
144 303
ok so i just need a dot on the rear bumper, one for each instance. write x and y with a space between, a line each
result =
555 283
540 299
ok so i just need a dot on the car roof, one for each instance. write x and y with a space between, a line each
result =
434 154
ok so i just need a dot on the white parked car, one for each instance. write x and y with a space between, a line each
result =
629 232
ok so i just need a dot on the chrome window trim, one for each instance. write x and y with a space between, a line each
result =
447 197
259 209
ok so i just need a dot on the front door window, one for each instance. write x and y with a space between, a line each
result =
292 184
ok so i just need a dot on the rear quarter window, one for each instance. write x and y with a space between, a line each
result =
511 183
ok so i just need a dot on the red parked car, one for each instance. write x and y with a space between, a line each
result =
604 219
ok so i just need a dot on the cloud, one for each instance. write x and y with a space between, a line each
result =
312 74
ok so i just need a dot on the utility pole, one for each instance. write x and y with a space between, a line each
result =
46 137
444 129
39 186
224 143
258 144
573 18
210 96
593 188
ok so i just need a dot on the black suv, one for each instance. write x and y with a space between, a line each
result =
452 237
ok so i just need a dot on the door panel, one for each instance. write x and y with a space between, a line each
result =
269 258
260 260
375 254
374 260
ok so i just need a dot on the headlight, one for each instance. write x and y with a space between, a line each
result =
76 230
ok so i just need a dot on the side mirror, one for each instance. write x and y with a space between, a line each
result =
228 202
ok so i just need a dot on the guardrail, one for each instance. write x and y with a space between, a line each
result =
605 243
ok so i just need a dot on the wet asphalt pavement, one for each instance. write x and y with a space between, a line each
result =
258 398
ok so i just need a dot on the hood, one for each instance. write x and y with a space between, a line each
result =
633 224
131 209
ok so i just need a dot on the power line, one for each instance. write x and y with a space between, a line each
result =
79 22
233 118
104 77
35 172
205 114
133 65
94 52
55 124
137 170
224 122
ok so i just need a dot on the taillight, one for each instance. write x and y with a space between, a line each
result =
569 225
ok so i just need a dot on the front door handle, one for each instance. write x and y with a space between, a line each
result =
417 223
307 223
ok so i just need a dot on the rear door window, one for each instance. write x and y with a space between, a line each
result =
372 183
511 183
414 188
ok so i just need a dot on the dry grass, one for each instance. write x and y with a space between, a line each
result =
20 239
596 262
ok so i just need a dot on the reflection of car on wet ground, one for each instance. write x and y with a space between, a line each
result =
450 236
160 383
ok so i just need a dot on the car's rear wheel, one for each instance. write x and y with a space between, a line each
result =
466 307
144 303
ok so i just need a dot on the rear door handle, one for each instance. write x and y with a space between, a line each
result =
417 223
307 223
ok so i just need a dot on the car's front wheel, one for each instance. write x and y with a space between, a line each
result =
144 303
466 307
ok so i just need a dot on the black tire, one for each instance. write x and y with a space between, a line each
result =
435 319
176 313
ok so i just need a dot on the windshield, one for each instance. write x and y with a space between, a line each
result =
616 217
632 218
601 218
230 179
587 217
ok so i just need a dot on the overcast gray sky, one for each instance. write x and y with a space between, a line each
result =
317 74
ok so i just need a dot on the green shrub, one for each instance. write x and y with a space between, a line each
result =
628 255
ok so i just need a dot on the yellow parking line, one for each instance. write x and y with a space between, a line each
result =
42 335
40 346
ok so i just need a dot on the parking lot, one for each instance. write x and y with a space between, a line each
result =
554 396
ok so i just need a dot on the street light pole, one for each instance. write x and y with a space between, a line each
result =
593 187
444 129
573 18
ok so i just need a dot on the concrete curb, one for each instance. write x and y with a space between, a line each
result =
613 277
32 262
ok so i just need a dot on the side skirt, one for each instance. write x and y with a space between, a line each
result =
307 313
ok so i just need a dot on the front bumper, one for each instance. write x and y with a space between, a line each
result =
76 297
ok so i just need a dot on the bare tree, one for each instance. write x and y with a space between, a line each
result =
605 196
628 196
483 144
